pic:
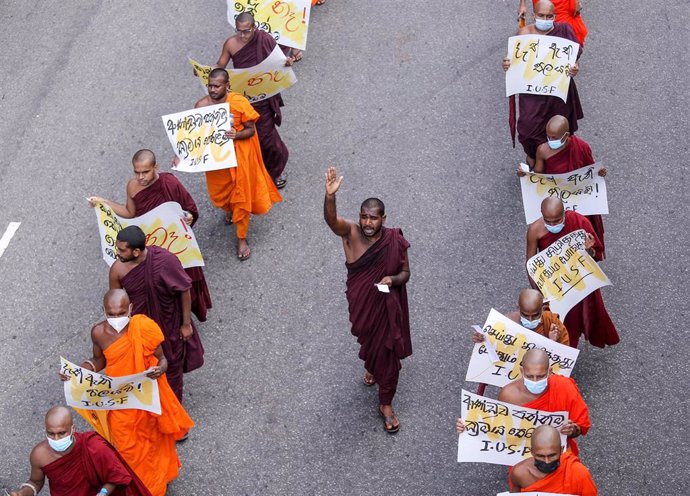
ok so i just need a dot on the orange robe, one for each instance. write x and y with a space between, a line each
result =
571 477
563 394
548 318
146 440
245 189
565 12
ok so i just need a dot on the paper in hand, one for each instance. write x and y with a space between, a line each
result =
383 288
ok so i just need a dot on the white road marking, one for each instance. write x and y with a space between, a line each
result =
5 240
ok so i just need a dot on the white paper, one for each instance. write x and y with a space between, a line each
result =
383 288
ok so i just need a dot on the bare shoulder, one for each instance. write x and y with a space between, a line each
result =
524 30
514 316
534 229
521 474
231 45
98 332
133 187
543 150
40 455
204 102
509 393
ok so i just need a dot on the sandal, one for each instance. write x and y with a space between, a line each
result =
368 379
389 422
228 218
280 183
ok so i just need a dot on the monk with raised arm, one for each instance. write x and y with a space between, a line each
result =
536 110
149 189
126 344
249 46
588 317
78 464
533 316
550 470
377 273
566 11
539 389
246 189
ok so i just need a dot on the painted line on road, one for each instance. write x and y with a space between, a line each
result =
7 237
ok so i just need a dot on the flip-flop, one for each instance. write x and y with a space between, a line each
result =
246 256
389 420
369 382
280 183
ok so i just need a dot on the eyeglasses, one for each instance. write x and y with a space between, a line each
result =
244 31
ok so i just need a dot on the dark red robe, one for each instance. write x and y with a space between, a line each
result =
576 155
589 317
90 464
380 321
273 150
168 188
154 288
536 110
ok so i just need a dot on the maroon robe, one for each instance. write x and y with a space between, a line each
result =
380 321
154 288
168 188
536 110
273 150
90 464
589 317
576 155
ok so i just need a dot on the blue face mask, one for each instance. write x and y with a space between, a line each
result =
555 229
544 24
530 324
60 445
536 387
555 144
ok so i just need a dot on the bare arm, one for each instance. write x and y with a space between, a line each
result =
114 276
248 131
186 325
37 477
225 55
539 163
127 211
338 225
400 278
98 358
162 366
522 9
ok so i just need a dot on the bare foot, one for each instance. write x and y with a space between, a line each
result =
368 379
243 251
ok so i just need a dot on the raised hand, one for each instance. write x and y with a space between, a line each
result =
554 333
333 182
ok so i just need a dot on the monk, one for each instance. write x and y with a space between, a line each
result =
588 317
377 273
533 316
549 470
539 389
160 289
78 464
248 47
536 110
124 344
566 11
562 153
149 189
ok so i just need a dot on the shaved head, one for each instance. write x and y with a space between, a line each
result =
530 301
552 208
144 155
544 7
546 437
535 357
244 17
557 126
58 416
116 297
219 72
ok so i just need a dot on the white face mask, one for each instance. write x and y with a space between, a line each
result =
118 323
62 444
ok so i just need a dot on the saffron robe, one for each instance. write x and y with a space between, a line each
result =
561 394
536 110
571 477
246 189
565 12
576 155
548 318
380 321
589 317
144 439
168 188
274 151
90 464
154 288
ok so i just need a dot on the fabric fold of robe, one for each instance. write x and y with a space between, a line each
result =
565 12
561 394
571 477
168 188
91 463
536 110
589 317
576 155
275 153
248 188
380 321
154 288
144 439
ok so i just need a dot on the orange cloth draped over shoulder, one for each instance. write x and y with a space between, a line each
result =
571 477
548 318
563 394
565 12
246 189
146 440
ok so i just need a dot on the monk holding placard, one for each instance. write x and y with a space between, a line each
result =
589 316
566 11
536 110
247 48
246 189
124 345
549 470
149 189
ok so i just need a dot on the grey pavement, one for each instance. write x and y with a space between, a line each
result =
407 100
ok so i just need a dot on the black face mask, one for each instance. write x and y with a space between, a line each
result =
547 468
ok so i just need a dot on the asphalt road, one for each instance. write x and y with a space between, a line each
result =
408 102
